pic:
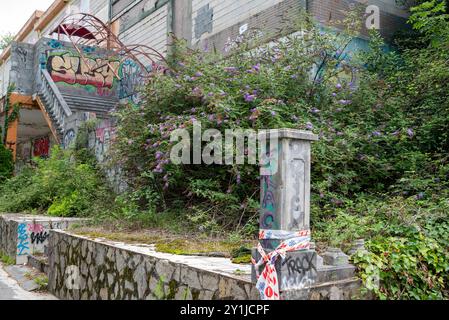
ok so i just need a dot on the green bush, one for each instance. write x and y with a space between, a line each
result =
59 186
268 88
6 163
407 244
415 266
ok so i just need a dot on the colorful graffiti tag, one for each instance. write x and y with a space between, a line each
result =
103 139
68 67
23 245
41 147
131 80
32 238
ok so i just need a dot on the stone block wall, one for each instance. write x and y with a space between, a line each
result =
82 268
8 236
88 269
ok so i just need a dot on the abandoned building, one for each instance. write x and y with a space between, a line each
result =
81 58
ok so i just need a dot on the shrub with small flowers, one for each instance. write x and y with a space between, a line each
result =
267 87
381 118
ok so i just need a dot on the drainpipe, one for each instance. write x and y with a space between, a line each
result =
170 24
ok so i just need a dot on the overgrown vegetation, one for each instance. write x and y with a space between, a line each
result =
6 163
59 186
380 170
266 88
5 40
7 260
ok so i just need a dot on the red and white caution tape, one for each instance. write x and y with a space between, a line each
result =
267 282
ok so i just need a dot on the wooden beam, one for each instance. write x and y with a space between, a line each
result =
21 99
47 119
11 137
29 26
50 14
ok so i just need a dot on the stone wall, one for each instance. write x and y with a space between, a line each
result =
88 269
8 236
22 235
82 268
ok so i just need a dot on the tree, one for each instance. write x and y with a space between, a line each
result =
5 40
431 19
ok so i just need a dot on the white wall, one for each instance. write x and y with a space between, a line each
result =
229 12
98 8
151 31
4 77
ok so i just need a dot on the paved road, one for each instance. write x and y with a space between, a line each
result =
10 289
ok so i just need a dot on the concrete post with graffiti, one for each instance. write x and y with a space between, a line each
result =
283 260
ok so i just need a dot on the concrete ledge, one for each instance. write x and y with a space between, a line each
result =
38 263
348 289
288 134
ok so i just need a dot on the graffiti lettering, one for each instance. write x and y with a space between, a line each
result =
299 265
39 238
41 147
290 283
35 228
131 79
268 193
69 68
298 271
23 244
22 54
267 220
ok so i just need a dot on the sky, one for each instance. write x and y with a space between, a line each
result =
15 13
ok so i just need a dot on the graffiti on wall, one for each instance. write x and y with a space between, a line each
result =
268 202
41 147
32 237
69 138
23 244
102 141
38 234
298 270
131 80
104 135
93 73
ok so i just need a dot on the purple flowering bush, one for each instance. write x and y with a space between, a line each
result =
272 86
379 171
368 143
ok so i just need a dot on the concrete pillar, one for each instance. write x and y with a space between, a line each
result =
285 194
285 215
182 20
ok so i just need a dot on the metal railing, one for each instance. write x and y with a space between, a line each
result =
54 102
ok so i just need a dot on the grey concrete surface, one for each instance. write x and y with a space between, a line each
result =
10 289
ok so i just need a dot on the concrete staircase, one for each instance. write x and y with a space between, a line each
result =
63 109
101 106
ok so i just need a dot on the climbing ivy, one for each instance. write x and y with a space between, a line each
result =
6 163
11 112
